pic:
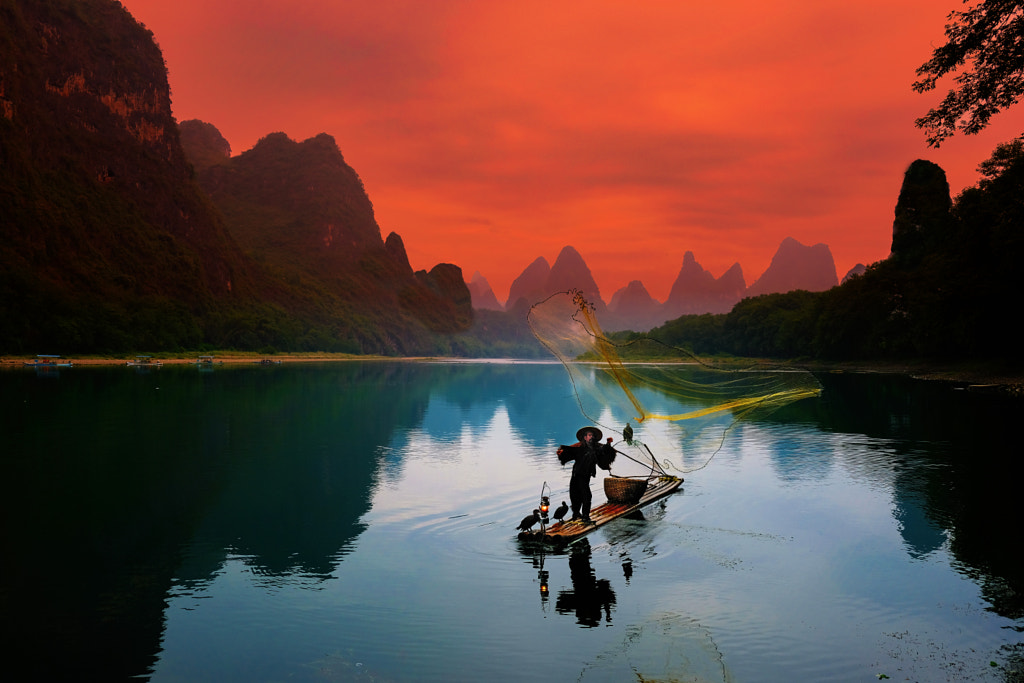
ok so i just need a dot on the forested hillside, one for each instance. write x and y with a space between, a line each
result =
110 245
951 289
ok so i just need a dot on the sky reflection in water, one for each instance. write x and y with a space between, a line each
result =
356 521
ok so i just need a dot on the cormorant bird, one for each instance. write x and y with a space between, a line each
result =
627 434
529 521
561 511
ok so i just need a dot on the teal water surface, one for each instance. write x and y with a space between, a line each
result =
356 521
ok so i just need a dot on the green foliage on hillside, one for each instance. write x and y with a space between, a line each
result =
298 210
105 243
499 334
108 244
955 300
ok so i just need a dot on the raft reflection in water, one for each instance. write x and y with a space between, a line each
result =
590 598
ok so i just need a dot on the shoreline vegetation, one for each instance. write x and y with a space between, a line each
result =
993 377
225 358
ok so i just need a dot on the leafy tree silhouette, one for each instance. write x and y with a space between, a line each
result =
987 38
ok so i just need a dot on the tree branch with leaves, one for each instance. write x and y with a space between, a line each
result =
985 44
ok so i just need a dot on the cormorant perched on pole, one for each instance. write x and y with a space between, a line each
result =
529 521
627 434
561 511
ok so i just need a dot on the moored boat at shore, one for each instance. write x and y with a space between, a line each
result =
144 362
48 361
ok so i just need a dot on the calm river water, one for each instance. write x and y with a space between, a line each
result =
356 521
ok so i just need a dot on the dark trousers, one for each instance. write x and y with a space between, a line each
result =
580 497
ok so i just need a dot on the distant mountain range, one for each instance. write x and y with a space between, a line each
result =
695 290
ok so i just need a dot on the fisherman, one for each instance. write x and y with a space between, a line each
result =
587 454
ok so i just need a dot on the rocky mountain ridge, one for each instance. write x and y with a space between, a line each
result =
302 210
115 240
695 290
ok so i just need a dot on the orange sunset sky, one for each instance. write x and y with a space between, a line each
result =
488 133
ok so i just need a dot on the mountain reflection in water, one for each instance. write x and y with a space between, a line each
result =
255 521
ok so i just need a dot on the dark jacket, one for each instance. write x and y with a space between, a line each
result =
586 458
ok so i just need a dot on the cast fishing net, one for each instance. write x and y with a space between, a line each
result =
679 409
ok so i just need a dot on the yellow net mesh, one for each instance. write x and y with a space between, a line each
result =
665 393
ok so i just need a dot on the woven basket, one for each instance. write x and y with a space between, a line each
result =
624 489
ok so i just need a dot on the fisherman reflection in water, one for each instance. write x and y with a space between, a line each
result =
587 454
590 597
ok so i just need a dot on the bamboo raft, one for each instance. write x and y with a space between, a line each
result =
563 533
